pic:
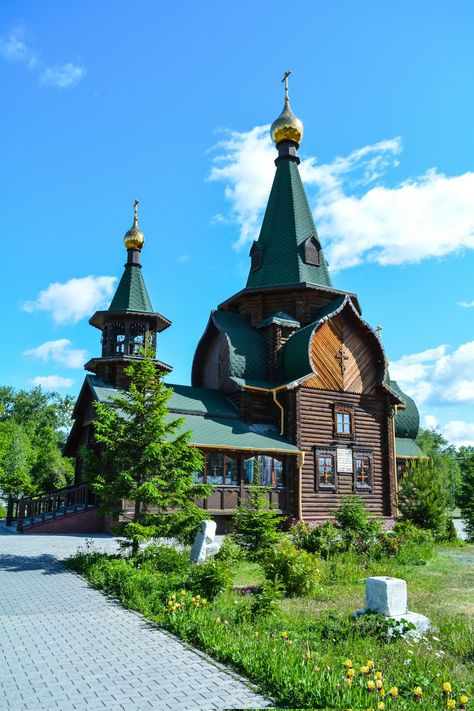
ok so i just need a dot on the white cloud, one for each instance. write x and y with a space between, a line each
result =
358 218
460 433
466 304
73 300
52 381
14 47
430 422
437 376
59 351
62 77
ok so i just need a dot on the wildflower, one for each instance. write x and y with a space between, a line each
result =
379 684
170 603
226 622
284 635
198 597
256 634
182 593
308 655
451 704
218 620
204 602
417 693
173 597
348 663
447 688
381 693
371 685
393 692
350 672
348 681
381 706
370 664
463 701
289 641
378 675
364 670
315 668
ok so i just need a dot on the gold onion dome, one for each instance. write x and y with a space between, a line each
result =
287 127
134 238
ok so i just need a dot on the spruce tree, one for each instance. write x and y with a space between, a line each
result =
422 497
142 455
466 494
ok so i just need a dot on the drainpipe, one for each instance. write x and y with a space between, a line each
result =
300 485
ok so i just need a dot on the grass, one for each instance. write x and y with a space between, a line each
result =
296 655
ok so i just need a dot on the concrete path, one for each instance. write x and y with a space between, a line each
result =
66 647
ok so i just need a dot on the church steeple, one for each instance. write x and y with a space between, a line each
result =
130 322
288 250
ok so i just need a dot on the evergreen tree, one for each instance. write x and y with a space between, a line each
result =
144 457
444 458
422 496
15 460
466 494
255 523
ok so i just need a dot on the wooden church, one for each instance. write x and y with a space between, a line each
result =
290 386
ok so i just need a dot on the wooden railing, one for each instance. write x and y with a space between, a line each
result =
27 511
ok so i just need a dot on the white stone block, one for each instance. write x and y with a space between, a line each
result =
422 623
386 596
204 542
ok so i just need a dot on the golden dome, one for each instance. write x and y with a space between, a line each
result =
287 127
134 238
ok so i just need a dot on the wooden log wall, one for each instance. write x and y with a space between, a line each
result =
301 305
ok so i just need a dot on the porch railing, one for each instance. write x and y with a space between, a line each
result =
28 511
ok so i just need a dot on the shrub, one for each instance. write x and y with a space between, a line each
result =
296 570
450 534
265 601
255 524
230 551
325 540
164 559
354 523
414 545
421 496
210 578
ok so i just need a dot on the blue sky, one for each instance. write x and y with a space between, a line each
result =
108 101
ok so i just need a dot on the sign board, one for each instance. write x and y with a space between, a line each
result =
344 460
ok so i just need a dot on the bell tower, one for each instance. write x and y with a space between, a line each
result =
130 322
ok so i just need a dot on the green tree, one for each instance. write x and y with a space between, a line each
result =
422 496
143 456
466 493
444 458
255 523
15 460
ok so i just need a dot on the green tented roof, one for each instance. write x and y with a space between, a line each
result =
131 294
406 447
287 223
295 358
407 421
247 348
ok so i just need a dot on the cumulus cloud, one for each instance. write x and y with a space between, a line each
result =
438 376
52 381
74 299
59 351
466 304
359 218
460 433
15 47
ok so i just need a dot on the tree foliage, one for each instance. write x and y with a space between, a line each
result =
144 456
466 493
422 496
255 523
33 428
444 462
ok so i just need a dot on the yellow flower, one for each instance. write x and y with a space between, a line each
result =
348 681
393 692
182 593
371 685
289 641
370 664
256 634
447 688
284 635
198 597
204 602
364 670
308 655
382 693
173 597
378 675
170 603
348 663
451 704
379 683
381 706
417 692
218 620
350 672
463 699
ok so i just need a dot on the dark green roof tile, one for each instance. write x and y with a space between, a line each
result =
407 421
406 447
280 318
131 294
247 348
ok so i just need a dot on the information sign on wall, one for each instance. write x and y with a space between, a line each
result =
344 460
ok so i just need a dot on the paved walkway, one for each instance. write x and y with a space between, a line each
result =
66 647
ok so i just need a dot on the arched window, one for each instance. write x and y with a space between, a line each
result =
136 338
219 469
256 255
117 337
312 251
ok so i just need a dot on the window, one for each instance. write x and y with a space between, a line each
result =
344 421
219 469
363 471
137 338
325 469
312 251
264 471
256 254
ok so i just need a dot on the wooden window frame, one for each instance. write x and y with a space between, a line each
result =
325 452
225 456
312 251
274 458
360 453
340 409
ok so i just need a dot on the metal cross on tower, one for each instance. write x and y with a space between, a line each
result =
285 81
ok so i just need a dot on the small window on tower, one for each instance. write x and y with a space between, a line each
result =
312 251
256 255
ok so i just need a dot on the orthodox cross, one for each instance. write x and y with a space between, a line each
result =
135 211
341 357
379 330
285 81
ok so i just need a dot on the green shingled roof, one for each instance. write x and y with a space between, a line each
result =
200 400
247 348
295 358
131 294
406 447
287 223
407 421
281 319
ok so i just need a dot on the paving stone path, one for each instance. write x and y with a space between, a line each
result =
66 647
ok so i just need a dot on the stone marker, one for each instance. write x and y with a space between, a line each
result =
388 596
204 545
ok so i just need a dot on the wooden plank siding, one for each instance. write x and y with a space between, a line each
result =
315 427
